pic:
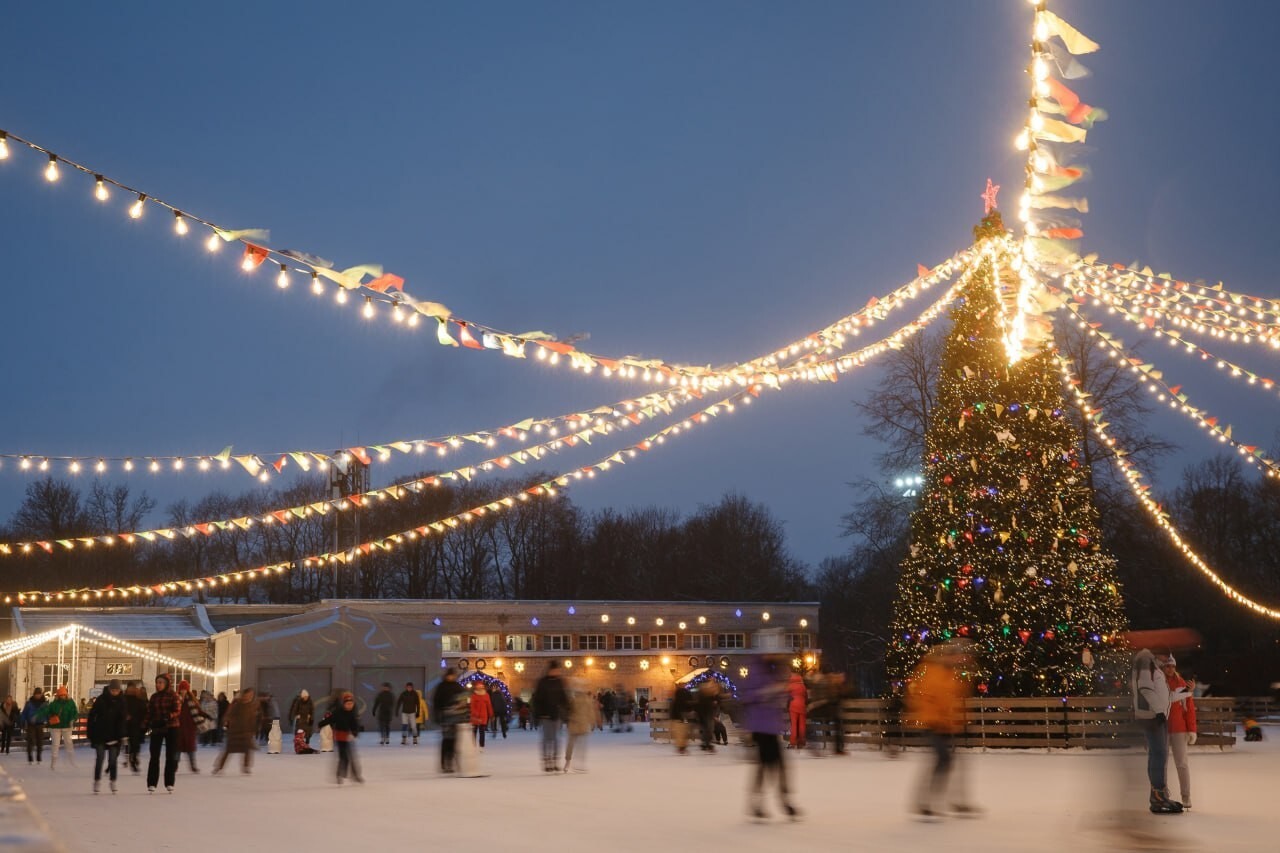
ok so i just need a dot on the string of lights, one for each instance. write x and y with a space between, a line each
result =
387 291
256 465
1175 398
1095 418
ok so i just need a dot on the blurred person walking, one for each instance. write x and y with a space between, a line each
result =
242 726
682 706
344 720
33 725
551 704
209 727
582 719
708 705
935 701
60 716
135 702
450 705
384 706
224 704
106 730
763 697
163 711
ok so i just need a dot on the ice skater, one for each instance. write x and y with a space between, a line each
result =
764 697
935 700
106 732
345 723
242 728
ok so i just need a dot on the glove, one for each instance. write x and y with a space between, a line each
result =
1191 738
1159 718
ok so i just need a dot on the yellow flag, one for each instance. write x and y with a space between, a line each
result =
1076 41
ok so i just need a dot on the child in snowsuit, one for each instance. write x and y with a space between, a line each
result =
300 746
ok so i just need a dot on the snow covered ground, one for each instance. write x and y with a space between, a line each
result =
639 795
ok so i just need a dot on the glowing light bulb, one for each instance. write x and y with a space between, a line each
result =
1040 69
1037 120
1022 141
179 224
4 145
101 466
135 210
100 188
341 296
214 243
397 313
413 320
282 280
368 308
128 464
51 171
316 287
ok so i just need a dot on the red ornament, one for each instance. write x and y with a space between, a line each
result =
1083 541
947 479
982 687
1048 635
1025 635
964 630
967 569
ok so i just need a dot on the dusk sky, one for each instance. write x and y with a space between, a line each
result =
693 181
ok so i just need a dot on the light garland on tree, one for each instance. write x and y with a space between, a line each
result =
1094 417
404 308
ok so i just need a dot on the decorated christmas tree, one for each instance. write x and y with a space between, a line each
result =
1004 546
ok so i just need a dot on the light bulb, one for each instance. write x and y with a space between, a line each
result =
341 296
1040 69
135 210
413 320
316 287
179 224
1022 140
4 145
368 307
282 280
51 171
1037 121
100 188
397 313
214 243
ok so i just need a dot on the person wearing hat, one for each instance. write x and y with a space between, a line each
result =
107 731
384 705
481 710
1151 699
163 712
60 715
1182 724
345 720
32 725
190 717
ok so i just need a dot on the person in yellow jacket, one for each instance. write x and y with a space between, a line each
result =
422 711
935 703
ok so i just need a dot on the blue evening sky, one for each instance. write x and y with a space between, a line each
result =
696 181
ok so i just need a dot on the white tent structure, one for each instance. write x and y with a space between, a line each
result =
72 637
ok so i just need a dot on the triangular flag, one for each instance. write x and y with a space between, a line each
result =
386 282
467 339
1075 41
442 334
253 256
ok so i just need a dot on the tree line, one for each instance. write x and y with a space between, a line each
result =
539 548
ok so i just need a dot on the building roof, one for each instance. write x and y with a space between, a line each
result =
143 623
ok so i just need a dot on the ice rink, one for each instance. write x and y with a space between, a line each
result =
638 795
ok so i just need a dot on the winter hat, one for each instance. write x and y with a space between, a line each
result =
184 686
62 692
1168 660
304 694
165 678
114 684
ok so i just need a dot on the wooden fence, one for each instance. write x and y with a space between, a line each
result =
1090 722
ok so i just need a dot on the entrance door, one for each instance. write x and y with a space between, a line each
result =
369 681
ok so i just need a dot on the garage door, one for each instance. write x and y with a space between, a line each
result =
284 683
369 681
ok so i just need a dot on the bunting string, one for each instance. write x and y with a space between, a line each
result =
382 289
1176 399
1132 475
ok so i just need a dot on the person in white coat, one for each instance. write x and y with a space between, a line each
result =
1151 699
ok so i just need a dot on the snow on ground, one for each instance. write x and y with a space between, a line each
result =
639 795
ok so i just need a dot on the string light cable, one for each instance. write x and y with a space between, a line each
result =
828 370
1094 416
1176 399
377 292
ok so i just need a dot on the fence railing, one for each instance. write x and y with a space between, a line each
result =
1088 722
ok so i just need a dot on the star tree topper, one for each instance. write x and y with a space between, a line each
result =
989 197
